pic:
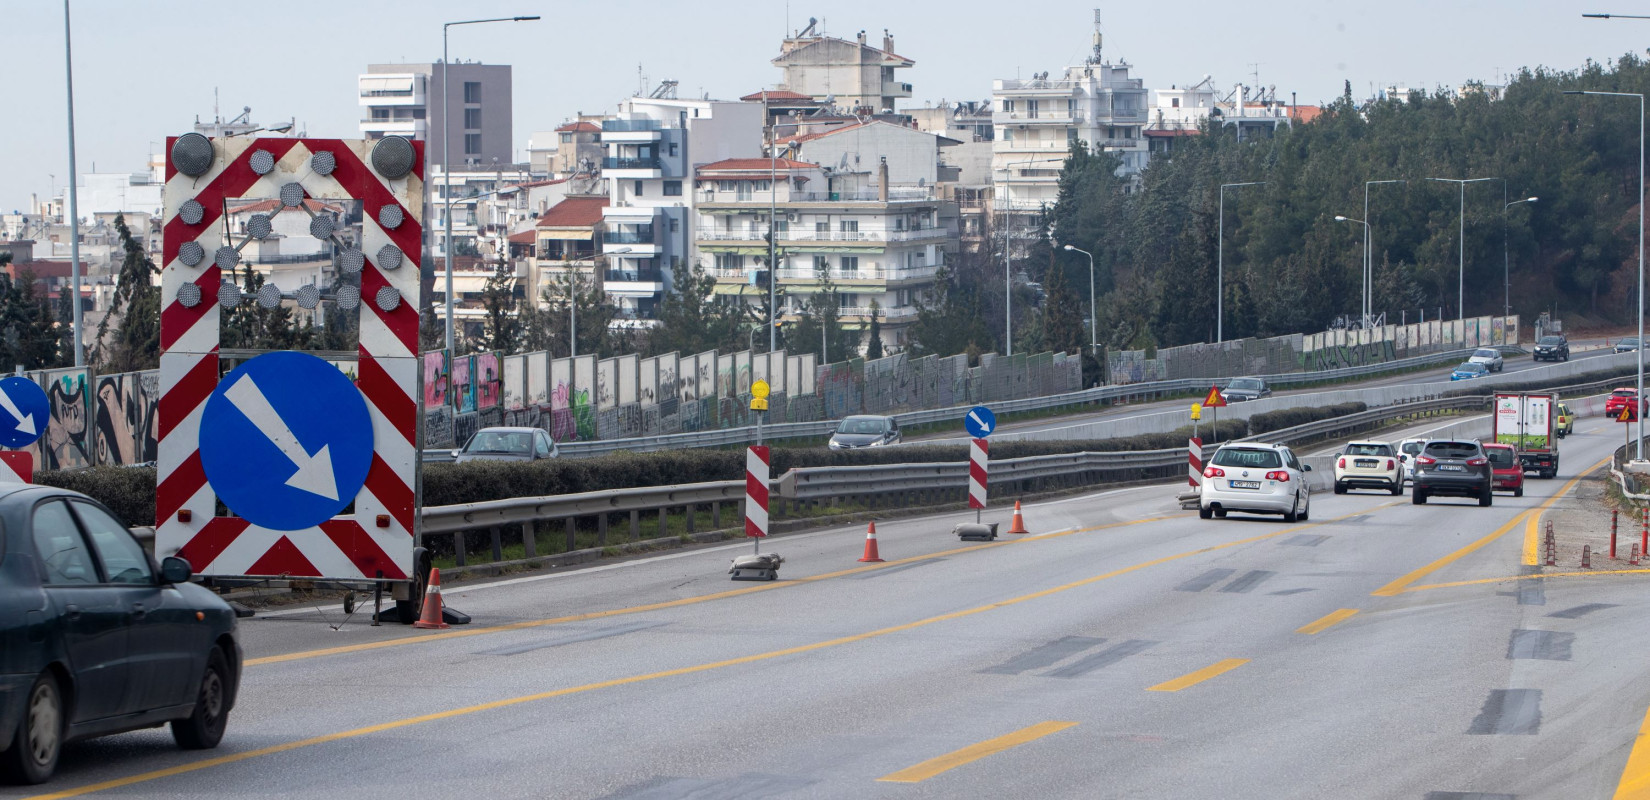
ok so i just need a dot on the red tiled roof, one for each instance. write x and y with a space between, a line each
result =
525 237
808 137
574 212
1305 113
775 94
42 269
756 165
263 206
579 127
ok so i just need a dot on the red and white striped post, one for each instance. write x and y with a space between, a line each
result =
1194 462
978 460
16 465
756 494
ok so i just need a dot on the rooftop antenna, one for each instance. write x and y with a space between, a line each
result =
1095 58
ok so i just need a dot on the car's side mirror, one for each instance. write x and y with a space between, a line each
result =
1306 468
175 570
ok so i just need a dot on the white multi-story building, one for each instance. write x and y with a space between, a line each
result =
652 146
1037 120
876 241
850 75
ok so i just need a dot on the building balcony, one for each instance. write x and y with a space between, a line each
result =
803 237
640 236
611 162
896 89
632 276
634 288
896 314
628 125
1054 147
924 273
1059 118
398 127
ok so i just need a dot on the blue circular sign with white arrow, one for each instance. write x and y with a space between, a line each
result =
24 411
286 441
980 422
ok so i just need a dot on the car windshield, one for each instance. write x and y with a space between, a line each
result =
1412 447
1563 410
1244 383
1452 449
862 426
1624 392
1486 354
500 442
1499 456
1470 367
1552 340
1255 459
1369 450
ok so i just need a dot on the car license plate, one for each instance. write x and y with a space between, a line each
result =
1365 463
1245 484
1451 468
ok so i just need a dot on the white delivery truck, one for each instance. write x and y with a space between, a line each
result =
1526 421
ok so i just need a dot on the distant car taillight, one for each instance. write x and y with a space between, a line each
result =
1425 460
1281 476
1390 465
1214 472
1477 462
1342 463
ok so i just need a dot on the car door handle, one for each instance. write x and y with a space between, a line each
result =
138 611
72 611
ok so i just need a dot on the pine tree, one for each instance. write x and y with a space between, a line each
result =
692 320
502 327
135 308
873 336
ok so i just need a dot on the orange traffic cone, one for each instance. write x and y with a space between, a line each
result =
431 618
871 554
1019 524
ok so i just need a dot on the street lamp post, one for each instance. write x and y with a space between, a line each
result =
1008 278
1461 236
1506 261
1094 310
74 202
1640 348
1220 262
1369 255
1365 223
447 164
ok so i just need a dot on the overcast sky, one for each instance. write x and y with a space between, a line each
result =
147 69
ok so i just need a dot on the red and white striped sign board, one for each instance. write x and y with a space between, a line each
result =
977 460
1194 463
202 177
756 491
16 465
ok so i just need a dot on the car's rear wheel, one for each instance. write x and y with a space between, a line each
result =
1519 492
1220 513
1486 499
1340 488
1290 515
203 728
1306 510
1204 512
39 736
1418 497
1397 488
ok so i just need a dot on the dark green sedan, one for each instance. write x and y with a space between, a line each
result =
96 639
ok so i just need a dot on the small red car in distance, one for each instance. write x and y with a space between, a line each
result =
1620 399
1507 469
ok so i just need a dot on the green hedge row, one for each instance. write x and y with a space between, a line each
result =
1290 417
127 491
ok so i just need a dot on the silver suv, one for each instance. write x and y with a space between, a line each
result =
1256 479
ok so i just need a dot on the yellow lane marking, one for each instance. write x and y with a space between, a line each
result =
1398 586
590 687
1635 777
685 601
1327 621
974 752
1581 574
1195 678
1532 545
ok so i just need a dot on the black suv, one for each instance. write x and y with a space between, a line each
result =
1453 468
1552 348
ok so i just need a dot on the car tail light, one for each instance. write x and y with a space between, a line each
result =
1390 465
1342 463
1477 462
1425 460
1214 472
1281 476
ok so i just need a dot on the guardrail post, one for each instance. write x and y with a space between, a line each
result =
601 529
664 522
498 544
530 538
458 547
572 535
635 525
692 511
716 515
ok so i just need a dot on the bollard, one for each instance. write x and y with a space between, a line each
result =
1644 534
1633 558
1586 556
1612 535
1552 550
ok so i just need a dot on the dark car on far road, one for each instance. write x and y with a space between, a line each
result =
508 444
1245 389
1552 348
1454 468
95 638
865 430
1627 345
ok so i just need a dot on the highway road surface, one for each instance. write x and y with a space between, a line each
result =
1430 375
1125 649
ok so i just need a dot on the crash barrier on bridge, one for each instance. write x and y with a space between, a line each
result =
1328 350
597 519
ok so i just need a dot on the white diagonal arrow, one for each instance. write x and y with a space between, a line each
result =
985 427
314 473
24 423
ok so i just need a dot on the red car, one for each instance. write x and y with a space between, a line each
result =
1508 471
1620 399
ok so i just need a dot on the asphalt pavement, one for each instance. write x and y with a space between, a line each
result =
1125 649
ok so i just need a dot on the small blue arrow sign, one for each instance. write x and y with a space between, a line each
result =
286 441
24 412
980 422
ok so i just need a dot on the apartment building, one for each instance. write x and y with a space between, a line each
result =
852 75
652 145
876 241
406 100
1247 112
566 241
